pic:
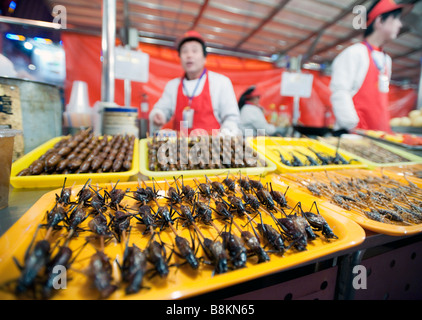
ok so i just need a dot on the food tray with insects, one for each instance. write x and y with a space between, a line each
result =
405 140
375 154
78 158
302 154
190 157
412 172
378 201
165 239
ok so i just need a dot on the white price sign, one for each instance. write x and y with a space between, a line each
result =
295 84
131 65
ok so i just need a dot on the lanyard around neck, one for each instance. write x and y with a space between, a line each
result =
194 90
381 68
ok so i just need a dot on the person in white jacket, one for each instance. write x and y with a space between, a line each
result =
252 114
200 99
361 73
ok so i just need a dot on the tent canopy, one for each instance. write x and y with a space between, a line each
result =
268 30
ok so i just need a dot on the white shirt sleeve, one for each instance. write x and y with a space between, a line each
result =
349 70
223 98
252 117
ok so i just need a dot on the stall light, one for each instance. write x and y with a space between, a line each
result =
16 37
28 45
43 40
12 7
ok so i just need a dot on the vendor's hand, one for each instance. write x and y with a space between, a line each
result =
158 119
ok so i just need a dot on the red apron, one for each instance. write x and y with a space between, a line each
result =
203 117
372 105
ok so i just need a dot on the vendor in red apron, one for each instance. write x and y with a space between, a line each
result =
361 73
200 99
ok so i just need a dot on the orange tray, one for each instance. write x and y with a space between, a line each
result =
353 214
182 282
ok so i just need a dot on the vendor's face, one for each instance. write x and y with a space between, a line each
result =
192 58
391 27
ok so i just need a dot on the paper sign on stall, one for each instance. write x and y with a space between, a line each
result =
294 84
131 65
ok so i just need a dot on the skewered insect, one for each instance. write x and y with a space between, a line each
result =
318 222
165 216
282 159
244 183
204 189
100 274
173 194
230 183
279 197
256 184
116 195
156 254
265 198
236 249
85 193
98 202
214 250
274 239
217 187
99 226
203 212
63 258
146 218
250 200
65 194
34 260
237 204
187 192
120 223
294 232
187 251
77 216
133 267
254 246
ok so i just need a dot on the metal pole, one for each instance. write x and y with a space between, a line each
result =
127 82
107 44
419 105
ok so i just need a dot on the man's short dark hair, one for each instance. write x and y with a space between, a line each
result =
204 48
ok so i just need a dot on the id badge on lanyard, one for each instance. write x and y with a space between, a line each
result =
188 116
383 83
383 80
188 112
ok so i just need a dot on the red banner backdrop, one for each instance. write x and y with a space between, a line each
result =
83 62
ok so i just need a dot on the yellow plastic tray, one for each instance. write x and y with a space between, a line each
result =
361 219
56 180
144 169
182 282
412 172
272 145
